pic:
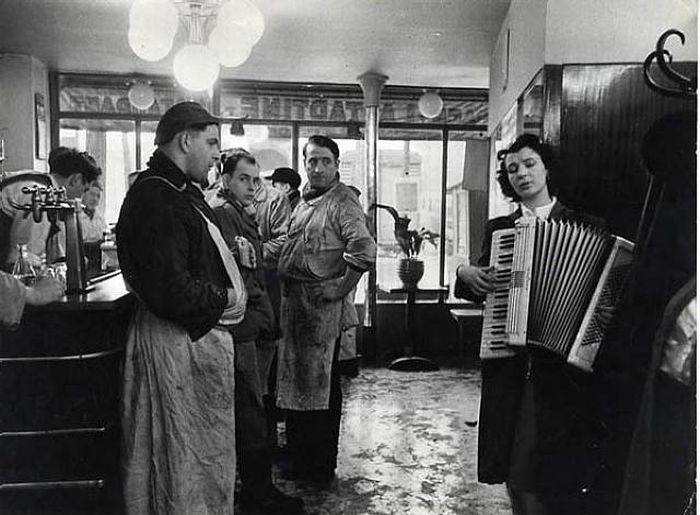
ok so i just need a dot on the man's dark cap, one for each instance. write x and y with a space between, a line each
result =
181 117
286 175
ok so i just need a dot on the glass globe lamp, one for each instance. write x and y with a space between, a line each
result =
195 67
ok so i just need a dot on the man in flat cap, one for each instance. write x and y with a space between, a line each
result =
177 413
288 181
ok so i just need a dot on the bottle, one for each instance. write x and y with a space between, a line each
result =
22 269
109 251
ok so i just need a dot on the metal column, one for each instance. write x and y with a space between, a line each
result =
372 84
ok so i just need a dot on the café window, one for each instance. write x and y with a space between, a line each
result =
407 196
409 179
96 115
466 200
271 144
113 145
428 168
147 138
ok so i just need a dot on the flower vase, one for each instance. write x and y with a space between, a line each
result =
410 271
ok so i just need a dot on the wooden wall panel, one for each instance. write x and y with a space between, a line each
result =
605 111
551 116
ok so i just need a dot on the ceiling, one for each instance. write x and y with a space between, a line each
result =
431 43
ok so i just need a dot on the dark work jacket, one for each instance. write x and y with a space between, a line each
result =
259 320
165 251
568 428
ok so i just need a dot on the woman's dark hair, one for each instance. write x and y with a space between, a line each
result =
543 150
323 141
231 158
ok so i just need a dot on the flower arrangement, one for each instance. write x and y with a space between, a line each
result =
410 240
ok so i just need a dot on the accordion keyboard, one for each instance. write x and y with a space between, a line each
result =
494 340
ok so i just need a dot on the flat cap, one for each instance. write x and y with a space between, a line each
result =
180 117
287 176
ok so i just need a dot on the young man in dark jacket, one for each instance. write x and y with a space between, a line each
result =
240 232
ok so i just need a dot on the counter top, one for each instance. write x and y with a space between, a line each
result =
107 293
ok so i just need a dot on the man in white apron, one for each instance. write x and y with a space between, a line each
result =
328 248
178 443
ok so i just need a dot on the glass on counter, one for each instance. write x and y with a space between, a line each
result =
23 268
29 268
56 271
108 249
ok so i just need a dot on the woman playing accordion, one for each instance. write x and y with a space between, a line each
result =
538 428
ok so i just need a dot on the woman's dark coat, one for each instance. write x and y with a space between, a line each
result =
568 429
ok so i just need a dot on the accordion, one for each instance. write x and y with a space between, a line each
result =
556 282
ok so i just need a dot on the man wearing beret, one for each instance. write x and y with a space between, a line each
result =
287 181
177 413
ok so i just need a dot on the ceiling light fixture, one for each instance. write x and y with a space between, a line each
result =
430 104
233 26
237 128
141 95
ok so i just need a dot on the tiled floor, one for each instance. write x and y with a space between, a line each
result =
407 446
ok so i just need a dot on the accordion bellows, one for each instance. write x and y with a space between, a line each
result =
556 283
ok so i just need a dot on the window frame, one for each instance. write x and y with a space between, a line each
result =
343 91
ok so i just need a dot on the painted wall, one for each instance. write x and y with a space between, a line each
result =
582 31
526 21
616 31
21 77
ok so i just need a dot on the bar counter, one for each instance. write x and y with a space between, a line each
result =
106 293
60 377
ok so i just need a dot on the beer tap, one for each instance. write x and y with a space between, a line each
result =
53 202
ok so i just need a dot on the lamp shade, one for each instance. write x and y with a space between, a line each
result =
195 67
230 43
141 95
152 28
430 105
244 14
